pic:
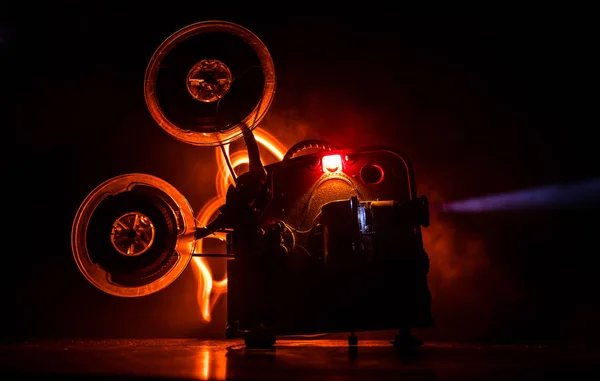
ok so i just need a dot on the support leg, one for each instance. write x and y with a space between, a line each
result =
352 339
405 339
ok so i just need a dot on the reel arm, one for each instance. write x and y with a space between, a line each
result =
240 209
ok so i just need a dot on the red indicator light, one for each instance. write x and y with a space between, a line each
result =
332 163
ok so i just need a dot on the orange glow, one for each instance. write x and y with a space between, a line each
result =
271 143
211 364
332 163
209 289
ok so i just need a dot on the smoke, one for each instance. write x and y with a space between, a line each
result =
472 293
288 126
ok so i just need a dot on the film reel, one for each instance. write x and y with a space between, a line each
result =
133 235
208 82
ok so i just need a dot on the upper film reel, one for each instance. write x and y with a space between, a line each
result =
208 82
133 235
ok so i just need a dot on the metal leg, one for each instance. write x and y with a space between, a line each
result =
404 339
352 339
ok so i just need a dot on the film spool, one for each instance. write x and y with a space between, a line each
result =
209 81
133 235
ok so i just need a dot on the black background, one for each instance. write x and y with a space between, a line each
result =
481 101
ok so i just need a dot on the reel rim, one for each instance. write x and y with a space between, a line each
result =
96 274
233 133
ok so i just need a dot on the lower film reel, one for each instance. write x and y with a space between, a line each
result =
133 235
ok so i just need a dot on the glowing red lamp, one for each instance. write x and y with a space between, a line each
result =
332 163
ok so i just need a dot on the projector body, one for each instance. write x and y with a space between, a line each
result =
330 249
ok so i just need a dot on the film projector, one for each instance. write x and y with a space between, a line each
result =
326 240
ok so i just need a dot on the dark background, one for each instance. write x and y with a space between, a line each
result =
481 101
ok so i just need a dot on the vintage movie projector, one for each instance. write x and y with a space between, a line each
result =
326 240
